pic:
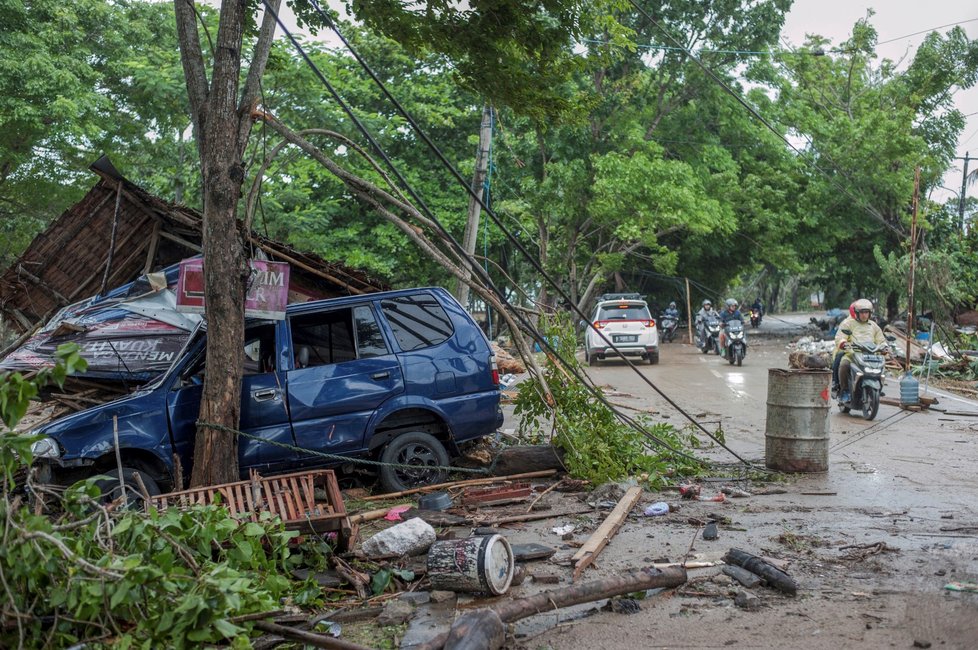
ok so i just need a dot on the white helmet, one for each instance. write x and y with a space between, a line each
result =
862 305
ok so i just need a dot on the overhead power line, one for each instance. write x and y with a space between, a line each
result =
542 340
927 31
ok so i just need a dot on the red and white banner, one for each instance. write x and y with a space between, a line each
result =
268 288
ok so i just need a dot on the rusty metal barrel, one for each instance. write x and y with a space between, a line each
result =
796 435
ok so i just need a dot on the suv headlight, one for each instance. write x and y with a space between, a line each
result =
46 448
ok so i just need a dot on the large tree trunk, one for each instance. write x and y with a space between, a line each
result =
225 267
222 119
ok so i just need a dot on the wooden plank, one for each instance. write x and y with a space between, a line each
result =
306 508
310 491
290 500
282 512
608 528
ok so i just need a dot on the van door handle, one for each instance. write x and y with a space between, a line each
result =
380 375
265 395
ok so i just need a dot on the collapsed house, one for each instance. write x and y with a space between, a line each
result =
103 275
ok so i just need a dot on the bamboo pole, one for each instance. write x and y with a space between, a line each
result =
474 481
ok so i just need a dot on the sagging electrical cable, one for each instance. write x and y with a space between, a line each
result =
519 246
530 328
541 340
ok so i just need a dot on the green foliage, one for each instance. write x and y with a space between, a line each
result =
168 579
78 79
598 446
16 391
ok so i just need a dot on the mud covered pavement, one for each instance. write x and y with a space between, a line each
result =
873 543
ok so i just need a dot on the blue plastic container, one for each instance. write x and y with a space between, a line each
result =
909 390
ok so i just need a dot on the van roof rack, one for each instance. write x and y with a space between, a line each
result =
621 296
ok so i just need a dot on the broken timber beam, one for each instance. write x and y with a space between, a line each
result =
608 529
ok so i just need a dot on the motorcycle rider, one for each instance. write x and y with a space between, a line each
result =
839 352
701 316
862 330
758 306
732 312
671 311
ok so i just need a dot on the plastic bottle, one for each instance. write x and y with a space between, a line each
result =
909 390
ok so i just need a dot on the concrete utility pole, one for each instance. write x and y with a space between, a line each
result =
471 233
964 185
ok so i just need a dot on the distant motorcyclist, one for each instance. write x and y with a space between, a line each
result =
705 312
671 311
861 330
732 312
758 306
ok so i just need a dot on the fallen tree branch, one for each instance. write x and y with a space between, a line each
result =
310 638
487 619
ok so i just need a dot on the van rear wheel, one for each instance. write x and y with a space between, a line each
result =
425 457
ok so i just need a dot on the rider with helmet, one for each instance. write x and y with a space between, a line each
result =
701 317
732 312
846 324
861 330
671 311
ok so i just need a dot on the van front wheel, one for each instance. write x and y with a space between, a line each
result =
111 490
415 459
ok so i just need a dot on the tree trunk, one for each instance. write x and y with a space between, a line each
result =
222 122
775 289
225 273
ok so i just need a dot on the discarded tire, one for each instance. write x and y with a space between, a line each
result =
796 436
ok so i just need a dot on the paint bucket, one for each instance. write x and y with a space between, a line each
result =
796 435
479 564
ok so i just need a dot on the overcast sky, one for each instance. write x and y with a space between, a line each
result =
897 24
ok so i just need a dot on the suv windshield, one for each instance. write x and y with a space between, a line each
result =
623 312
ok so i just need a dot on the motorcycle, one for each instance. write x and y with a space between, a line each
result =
711 335
866 378
668 326
736 343
755 318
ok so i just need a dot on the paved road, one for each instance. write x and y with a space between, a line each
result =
906 480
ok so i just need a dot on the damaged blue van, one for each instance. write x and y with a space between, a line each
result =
402 377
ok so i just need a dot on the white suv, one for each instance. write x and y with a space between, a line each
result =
625 321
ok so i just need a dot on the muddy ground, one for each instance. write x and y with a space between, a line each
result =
901 492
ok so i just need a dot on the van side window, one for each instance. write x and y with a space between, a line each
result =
370 341
418 321
323 338
259 349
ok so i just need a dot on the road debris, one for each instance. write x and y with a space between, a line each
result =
514 610
411 537
741 575
600 538
774 576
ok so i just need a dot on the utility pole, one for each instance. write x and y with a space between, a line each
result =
913 256
964 185
471 234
